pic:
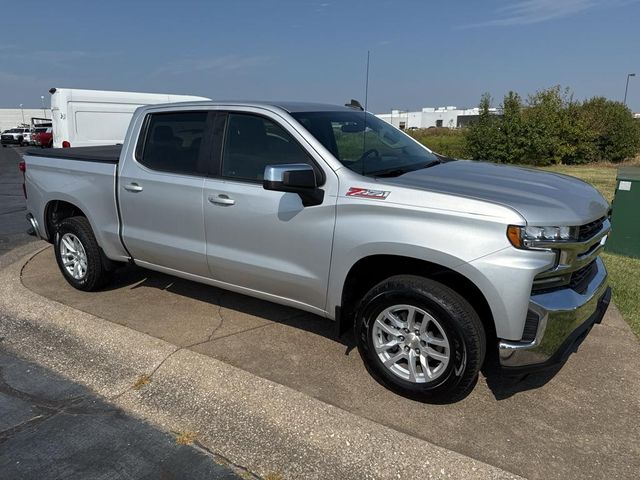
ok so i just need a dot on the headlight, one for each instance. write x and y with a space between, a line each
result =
541 237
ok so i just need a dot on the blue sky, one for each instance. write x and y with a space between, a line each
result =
423 53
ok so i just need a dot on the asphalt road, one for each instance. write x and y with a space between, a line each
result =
51 428
13 224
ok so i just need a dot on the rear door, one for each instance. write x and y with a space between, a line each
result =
160 191
262 240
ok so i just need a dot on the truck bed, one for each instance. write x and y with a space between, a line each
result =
84 177
101 153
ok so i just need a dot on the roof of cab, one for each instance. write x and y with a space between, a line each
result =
290 107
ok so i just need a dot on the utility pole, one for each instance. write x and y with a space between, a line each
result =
44 112
22 110
626 88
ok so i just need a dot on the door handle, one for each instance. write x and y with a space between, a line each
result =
221 200
133 187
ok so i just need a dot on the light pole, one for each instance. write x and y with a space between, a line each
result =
22 110
626 88
42 103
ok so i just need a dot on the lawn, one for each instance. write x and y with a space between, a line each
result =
624 272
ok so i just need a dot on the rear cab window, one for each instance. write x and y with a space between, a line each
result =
173 142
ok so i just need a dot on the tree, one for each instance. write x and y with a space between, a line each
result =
512 144
616 134
481 134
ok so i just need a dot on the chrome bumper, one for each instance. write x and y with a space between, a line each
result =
564 318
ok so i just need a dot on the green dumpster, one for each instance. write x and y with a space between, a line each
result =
625 216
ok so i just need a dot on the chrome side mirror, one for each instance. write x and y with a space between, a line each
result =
297 178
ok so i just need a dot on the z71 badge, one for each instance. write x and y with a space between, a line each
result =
366 193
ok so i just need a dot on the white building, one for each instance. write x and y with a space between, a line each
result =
449 117
13 117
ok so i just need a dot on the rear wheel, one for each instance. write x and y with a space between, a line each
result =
79 257
420 338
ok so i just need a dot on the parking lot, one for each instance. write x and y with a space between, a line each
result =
580 422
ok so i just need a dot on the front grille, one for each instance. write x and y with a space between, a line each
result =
588 230
580 278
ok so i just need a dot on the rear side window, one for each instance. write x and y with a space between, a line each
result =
173 142
252 143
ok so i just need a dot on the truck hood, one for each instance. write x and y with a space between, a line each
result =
542 198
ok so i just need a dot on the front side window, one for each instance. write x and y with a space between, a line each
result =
366 144
173 141
253 142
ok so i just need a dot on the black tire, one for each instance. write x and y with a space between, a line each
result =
97 274
458 320
4 145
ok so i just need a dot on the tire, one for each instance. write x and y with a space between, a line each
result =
446 342
75 234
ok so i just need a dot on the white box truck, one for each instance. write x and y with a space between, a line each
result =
84 118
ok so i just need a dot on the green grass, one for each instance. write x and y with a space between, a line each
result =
601 176
624 272
444 141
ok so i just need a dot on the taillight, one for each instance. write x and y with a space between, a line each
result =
65 144
22 166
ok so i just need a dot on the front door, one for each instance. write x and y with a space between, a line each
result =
160 192
263 240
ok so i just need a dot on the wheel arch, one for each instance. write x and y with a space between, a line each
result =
371 270
57 210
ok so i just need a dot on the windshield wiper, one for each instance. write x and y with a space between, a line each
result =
396 172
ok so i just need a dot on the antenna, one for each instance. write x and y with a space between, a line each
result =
366 85
366 101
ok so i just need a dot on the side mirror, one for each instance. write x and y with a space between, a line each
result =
297 178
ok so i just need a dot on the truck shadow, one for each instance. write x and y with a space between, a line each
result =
132 277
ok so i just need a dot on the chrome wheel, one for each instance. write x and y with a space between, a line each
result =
73 256
411 343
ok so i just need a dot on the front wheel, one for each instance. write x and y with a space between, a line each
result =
78 255
420 338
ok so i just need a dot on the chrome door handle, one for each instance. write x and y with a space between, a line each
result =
133 187
221 200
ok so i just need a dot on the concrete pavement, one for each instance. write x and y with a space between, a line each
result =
582 422
54 428
51 427
268 428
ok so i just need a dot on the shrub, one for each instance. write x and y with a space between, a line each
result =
616 135
553 128
483 136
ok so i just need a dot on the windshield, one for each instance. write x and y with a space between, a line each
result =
378 149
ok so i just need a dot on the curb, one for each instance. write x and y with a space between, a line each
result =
266 427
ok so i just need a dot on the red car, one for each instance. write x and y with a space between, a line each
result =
43 136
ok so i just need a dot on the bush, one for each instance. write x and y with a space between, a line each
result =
616 135
553 128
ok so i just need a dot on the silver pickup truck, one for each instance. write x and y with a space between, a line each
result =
435 263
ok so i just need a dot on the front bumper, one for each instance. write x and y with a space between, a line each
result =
565 317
